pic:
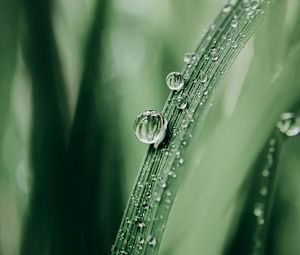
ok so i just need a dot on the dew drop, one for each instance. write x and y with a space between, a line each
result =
150 127
184 123
289 124
253 4
265 172
157 197
122 253
234 23
227 8
259 210
175 81
260 221
181 103
263 191
151 240
214 54
181 161
189 58
203 77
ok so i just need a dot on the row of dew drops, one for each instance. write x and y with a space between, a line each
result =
151 126
289 126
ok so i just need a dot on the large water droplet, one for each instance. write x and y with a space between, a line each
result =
150 127
289 124
175 81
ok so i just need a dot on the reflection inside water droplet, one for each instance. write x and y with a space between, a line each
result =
175 81
289 124
150 127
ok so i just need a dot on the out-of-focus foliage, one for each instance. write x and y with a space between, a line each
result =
68 154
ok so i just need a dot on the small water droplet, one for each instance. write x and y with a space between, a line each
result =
163 185
227 8
181 103
253 4
181 161
151 240
234 22
156 197
175 81
289 124
150 127
259 210
168 193
172 174
122 253
260 221
214 54
266 172
177 154
184 123
141 225
203 77
263 191
189 58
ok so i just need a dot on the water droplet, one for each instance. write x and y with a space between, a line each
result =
157 197
168 193
259 210
181 161
163 185
214 54
141 240
263 191
234 23
150 127
265 172
203 77
189 58
181 103
172 174
227 8
175 81
234 44
289 124
141 225
151 240
184 123
122 253
260 221
253 4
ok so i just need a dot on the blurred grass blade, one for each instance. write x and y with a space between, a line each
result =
93 157
252 232
9 28
43 228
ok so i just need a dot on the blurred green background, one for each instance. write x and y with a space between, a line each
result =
73 76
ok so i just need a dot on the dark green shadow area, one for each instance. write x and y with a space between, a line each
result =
76 206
